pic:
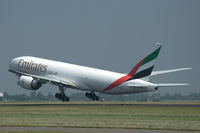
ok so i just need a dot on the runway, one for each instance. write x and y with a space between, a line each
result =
64 117
100 104
90 130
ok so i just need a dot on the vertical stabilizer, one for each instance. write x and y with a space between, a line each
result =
144 68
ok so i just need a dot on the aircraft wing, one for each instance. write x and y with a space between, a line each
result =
55 81
168 71
50 80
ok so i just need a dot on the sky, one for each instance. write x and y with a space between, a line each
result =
106 34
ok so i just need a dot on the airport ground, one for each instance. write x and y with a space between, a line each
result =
106 117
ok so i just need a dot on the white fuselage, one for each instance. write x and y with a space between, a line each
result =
86 79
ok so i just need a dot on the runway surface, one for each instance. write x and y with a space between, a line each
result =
72 104
90 130
94 130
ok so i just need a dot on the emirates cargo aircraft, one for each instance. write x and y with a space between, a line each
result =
33 72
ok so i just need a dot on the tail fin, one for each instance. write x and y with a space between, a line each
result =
144 68
141 70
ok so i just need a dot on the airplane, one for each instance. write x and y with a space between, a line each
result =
33 72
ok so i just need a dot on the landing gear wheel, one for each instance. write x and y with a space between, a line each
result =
93 99
92 96
61 96
66 99
87 94
97 98
57 95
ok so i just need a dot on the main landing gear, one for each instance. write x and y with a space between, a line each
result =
92 96
61 96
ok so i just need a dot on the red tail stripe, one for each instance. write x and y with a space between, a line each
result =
134 70
124 78
117 82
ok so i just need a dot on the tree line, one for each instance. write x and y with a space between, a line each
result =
80 96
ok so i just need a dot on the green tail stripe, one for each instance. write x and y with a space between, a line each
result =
152 56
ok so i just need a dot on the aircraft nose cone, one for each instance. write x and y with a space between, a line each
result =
13 64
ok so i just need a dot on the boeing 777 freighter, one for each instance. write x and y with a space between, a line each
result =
33 72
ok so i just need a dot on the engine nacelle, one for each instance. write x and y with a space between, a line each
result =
29 83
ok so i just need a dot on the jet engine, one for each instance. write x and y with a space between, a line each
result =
29 83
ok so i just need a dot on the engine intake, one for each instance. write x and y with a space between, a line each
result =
29 83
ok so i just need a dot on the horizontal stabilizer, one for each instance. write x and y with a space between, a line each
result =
171 84
168 71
